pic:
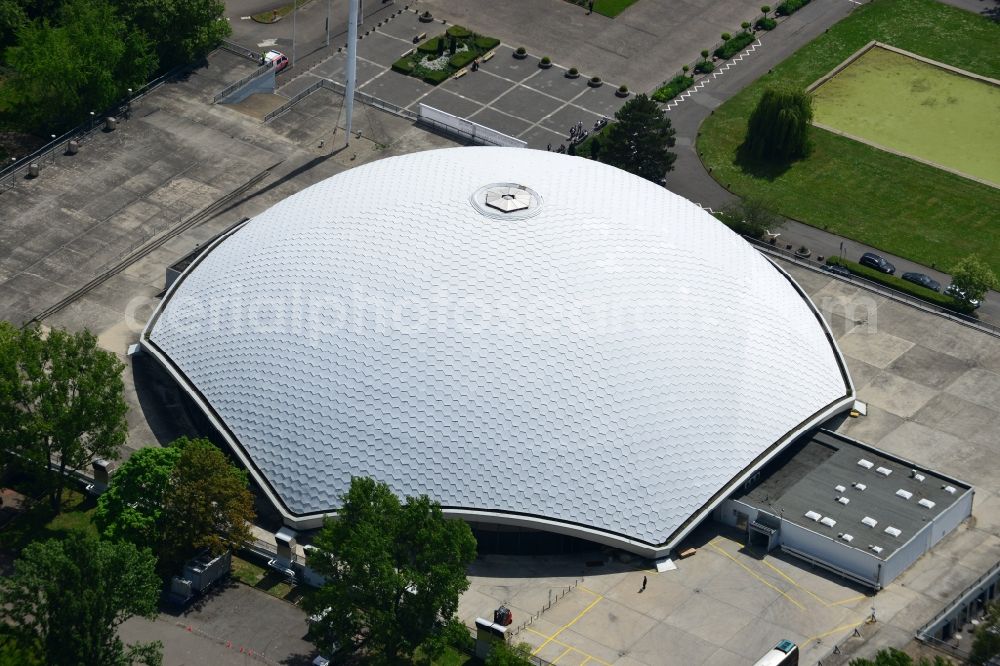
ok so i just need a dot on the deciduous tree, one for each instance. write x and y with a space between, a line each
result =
182 30
61 402
394 571
178 500
70 595
778 130
986 644
894 657
79 61
639 140
972 277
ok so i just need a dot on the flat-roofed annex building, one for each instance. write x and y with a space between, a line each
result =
848 507
531 339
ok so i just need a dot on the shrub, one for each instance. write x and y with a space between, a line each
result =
704 67
461 59
546 60
733 46
902 285
673 88
430 46
766 23
594 81
745 25
458 32
766 9
704 54
789 7
403 66
726 36
521 51
685 69
623 88
435 76
573 71
486 43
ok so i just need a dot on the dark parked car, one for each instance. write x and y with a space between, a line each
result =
958 294
872 260
837 270
923 280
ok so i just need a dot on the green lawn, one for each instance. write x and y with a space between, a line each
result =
38 523
915 108
263 579
890 202
609 8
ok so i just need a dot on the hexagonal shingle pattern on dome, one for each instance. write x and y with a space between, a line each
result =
613 361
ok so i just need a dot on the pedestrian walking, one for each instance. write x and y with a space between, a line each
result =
643 584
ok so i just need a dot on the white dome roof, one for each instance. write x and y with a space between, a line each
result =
596 354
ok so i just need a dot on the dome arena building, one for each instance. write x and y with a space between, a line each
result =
532 339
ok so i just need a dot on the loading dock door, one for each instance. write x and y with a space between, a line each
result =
761 536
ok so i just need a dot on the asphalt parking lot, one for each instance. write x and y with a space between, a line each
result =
512 96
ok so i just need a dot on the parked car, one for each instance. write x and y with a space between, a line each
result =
872 260
958 294
279 59
837 270
923 280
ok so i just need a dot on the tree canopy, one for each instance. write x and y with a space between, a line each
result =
81 60
178 500
639 140
68 596
66 58
61 402
182 30
986 644
394 571
505 654
778 130
894 657
973 278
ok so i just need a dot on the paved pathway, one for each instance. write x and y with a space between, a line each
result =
691 180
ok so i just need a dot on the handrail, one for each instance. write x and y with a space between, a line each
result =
47 153
233 87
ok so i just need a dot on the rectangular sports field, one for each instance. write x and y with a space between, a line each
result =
917 109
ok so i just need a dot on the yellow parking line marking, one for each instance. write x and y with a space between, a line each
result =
847 601
570 623
758 577
563 654
587 589
566 645
833 631
584 662
801 587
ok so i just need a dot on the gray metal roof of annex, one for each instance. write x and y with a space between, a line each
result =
607 356
808 481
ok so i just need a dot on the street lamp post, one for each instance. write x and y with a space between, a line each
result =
295 10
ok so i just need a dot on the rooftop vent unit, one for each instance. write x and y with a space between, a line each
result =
905 494
828 521
884 471
869 521
892 531
926 503
839 488
860 486
917 475
948 489
812 515
867 464
846 537
875 549
843 500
